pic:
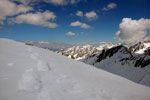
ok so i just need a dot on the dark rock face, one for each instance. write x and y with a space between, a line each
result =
108 53
139 60
143 61
136 47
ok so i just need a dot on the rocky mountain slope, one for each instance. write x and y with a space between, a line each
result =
130 62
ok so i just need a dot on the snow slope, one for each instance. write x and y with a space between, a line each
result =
32 73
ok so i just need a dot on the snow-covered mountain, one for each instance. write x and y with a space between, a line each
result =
32 73
140 47
83 51
130 62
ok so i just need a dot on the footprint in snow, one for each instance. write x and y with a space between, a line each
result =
43 66
10 64
30 81
68 84
34 56
29 49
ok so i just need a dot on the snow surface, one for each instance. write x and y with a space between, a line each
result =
32 73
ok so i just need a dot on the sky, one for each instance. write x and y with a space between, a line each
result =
75 21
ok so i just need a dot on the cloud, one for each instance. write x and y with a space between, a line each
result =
62 2
79 13
58 2
1 22
26 2
85 26
54 2
70 34
82 25
23 9
9 8
77 23
40 19
110 6
91 15
133 31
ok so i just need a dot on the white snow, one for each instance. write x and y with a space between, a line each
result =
38 74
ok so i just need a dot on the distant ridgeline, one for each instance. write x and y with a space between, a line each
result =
53 46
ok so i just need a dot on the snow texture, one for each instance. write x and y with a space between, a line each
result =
32 73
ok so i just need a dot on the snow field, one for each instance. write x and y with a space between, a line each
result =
38 74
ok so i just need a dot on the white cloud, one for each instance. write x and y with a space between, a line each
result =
70 34
74 1
41 19
77 23
110 6
82 25
133 31
23 9
79 13
54 2
85 26
62 2
26 2
91 15
58 2
1 22
9 8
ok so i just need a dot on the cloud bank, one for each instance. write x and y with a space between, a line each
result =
133 31
39 18
62 2
54 2
9 8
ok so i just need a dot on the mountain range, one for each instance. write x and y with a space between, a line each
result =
131 62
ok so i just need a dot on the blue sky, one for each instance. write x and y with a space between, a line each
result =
102 26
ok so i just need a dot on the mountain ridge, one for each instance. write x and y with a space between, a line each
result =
129 59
